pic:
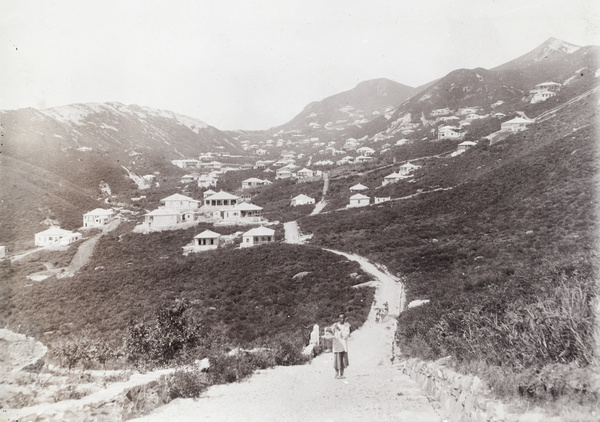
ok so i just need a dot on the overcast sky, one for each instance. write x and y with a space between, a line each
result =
254 64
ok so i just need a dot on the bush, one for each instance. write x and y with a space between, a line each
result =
225 368
186 383
161 343
289 353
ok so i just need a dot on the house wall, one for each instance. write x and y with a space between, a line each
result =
44 240
207 243
95 220
163 220
180 205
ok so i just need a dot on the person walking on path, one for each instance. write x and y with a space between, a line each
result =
341 332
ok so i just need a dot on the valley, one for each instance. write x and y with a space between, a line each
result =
474 195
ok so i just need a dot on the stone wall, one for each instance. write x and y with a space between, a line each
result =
465 398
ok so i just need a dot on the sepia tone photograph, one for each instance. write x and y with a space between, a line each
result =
328 211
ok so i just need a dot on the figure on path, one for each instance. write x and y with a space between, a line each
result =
341 332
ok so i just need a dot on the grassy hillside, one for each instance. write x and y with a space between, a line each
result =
506 257
252 291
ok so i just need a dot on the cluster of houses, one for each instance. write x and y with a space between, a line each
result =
219 206
209 239
359 199
55 236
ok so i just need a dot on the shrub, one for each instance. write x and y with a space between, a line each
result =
186 383
161 343
226 368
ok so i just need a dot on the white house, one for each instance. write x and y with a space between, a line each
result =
359 200
358 188
254 182
392 178
541 96
240 212
346 160
305 173
449 132
363 159
546 86
440 112
207 181
257 236
261 151
180 202
164 217
56 236
463 146
221 199
188 178
365 151
97 218
207 240
284 173
467 110
186 164
516 125
402 141
379 200
302 200
407 168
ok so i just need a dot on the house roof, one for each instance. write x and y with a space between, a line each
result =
207 234
164 211
467 143
519 120
207 177
56 231
209 192
365 149
244 206
394 175
305 170
359 196
178 197
253 179
100 211
409 165
260 231
222 195
302 196
359 187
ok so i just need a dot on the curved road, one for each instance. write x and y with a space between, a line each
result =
375 389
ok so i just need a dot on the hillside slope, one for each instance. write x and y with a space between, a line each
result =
71 152
514 236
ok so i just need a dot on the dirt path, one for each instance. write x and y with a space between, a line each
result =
321 204
374 387
82 257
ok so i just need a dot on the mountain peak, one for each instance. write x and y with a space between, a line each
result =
559 45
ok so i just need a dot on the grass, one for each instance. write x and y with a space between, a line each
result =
251 291
506 257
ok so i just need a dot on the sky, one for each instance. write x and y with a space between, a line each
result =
255 64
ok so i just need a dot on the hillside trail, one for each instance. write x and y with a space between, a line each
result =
81 257
375 389
321 204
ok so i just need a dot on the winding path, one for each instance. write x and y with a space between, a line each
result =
374 389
